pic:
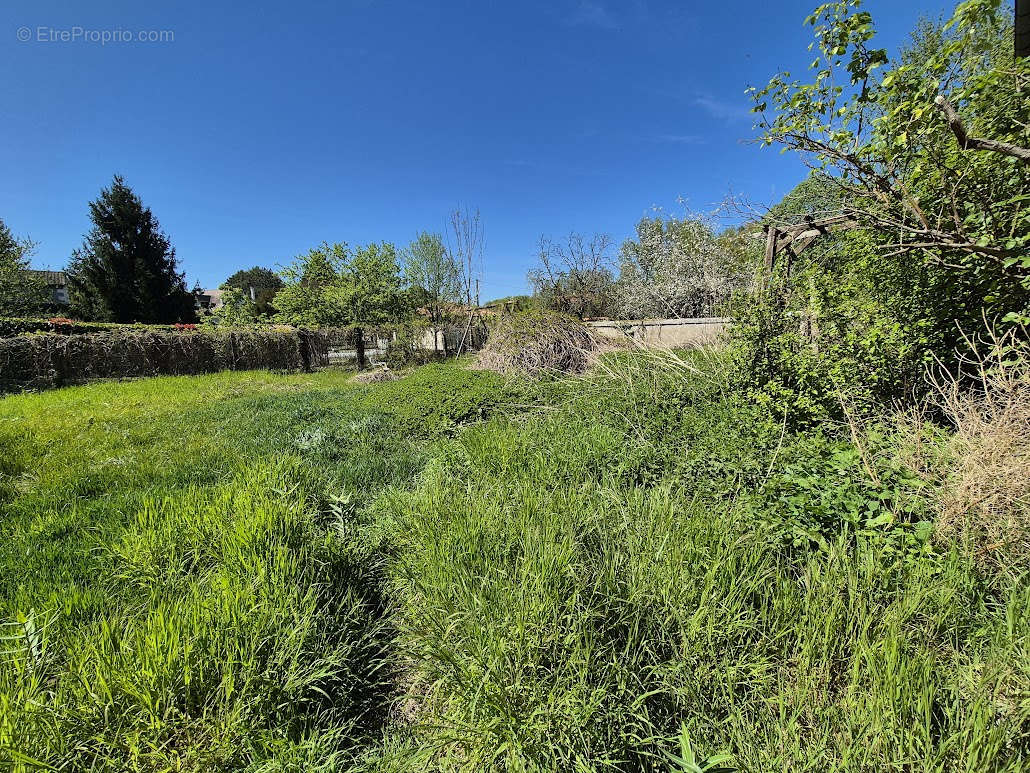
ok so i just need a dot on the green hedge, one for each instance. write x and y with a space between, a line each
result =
12 326
48 360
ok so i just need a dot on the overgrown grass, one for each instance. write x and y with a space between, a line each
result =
456 572
656 558
182 573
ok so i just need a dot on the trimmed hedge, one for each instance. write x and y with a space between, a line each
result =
12 326
48 360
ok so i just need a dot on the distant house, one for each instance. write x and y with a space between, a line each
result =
56 281
209 300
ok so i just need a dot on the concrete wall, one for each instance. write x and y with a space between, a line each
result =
664 332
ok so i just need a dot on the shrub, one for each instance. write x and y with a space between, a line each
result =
534 342
406 349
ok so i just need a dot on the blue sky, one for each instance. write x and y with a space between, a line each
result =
261 130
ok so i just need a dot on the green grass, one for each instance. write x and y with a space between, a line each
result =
571 608
451 571
181 565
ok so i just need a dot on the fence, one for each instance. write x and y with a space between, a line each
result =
697 331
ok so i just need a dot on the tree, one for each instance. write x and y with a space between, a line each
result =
126 269
676 267
935 239
430 267
334 286
259 285
23 293
575 277
465 246
929 154
237 309
314 290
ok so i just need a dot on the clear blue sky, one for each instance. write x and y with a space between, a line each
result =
258 132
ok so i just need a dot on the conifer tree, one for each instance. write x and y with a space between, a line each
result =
126 269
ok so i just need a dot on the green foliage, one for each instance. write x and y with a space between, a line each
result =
431 270
406 348
126 269
12 326
334 286
237 309
22 293
827 488
513 303
878 130
846 323
676 267
439 398
936 262
205 591
640 568
263 282
565 612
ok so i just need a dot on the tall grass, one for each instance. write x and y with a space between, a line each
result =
641 568
187 572
584 589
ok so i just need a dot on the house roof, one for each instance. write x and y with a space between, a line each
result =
52 278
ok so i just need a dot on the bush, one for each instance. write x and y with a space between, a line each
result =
406 350
534 342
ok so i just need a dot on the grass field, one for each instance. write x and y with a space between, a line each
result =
624 571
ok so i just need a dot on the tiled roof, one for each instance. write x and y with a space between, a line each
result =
52 278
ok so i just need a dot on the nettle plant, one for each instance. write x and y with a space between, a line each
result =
931 153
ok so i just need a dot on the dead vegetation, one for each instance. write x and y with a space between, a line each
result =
982 471
535 342
377 376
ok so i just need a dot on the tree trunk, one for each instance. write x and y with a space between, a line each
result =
305 351
359 348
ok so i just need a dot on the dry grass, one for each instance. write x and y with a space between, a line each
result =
536 342
984 473
377 376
